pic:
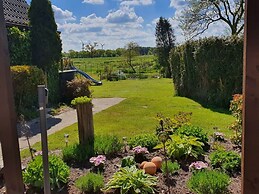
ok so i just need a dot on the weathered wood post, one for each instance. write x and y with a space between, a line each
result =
250 146
85 120
8 131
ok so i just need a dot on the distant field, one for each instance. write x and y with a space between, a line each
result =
93 66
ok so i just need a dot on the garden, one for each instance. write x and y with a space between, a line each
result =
177 158
167 151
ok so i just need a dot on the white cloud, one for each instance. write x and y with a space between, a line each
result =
94 1
62 16
124 15
115 30
137 2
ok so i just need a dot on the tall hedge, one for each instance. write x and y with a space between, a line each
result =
19 43
208 70
25 81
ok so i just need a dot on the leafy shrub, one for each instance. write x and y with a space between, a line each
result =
183 147
172 167
144 140
131 180
236 108
81 100
90 183
128 161
190 130
107 145
58 171
228 161
25 81
76 153
78 87
171 124
209 182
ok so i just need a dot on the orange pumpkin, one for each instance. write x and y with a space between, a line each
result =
157 161
142 164
150 168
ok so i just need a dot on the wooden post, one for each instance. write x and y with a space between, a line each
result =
8 131
85 123
250 147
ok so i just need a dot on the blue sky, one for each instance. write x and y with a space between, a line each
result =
114 23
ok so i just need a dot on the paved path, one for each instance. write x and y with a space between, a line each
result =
56 123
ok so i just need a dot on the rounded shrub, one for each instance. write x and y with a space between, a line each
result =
228 161
25 81
90 183
107 145
209 182
78 87
76 153
58 171
144 140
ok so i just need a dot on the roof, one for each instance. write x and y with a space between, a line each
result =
16 12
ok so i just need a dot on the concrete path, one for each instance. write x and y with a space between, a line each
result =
56 123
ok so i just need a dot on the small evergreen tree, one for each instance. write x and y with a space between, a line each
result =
164 43
46 43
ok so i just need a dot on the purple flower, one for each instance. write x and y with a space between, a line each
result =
100 159
140 150
198 165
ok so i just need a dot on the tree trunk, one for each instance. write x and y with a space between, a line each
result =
85 123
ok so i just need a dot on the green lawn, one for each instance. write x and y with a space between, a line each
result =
137 114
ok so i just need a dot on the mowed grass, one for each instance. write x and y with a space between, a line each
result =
137 113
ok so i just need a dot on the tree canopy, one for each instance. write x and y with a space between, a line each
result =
164 43
131 50
200 14
46 43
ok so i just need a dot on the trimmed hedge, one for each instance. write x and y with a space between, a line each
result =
25 81
208 70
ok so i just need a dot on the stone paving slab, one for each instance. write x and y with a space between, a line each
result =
56 123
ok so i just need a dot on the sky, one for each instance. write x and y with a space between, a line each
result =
114 23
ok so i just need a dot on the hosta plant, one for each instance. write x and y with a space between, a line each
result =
130 180
128 161
183 147
58 172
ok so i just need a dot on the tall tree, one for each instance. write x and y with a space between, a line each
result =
131 51
46 43
164 43
200 14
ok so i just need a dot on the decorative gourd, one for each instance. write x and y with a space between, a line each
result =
157 161
142 164
150 168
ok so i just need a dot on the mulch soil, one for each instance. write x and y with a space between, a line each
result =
177 183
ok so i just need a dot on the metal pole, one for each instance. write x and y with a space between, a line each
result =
250 147
8 131
42 96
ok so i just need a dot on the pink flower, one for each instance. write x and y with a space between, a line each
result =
198 165
140 150
98 160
